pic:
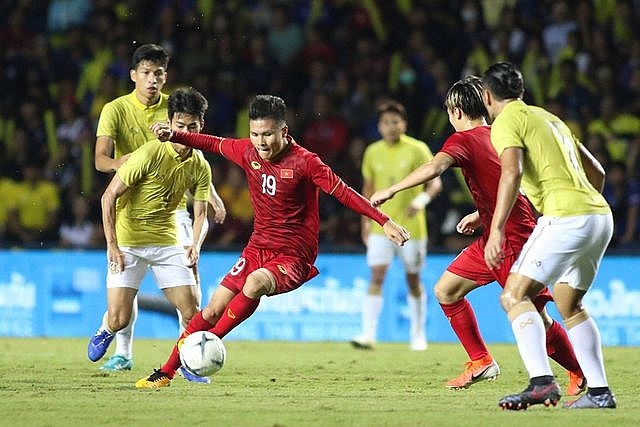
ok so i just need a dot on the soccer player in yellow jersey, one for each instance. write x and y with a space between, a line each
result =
385 162
563 181
123 126
139 219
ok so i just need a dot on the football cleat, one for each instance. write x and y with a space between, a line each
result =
363 342
485 369
156 380
547 394
117 363
191 377
589 401
98 344
577 383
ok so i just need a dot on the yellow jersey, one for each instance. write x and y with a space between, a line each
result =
385 164
553 176
157 179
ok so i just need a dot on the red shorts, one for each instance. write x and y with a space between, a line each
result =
470 264
289 271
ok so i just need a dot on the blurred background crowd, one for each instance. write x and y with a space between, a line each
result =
331 60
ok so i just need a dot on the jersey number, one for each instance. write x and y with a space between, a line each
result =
268 184
238 267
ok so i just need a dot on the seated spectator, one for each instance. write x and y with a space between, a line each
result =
239 222
7 195
33 219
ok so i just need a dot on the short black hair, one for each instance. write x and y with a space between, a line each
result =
268 107
466 94
391 106
187 100
150 52
504 80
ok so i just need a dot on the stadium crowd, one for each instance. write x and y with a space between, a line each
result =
331 61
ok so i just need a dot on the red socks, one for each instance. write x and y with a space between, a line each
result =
197 323
559 348
464 324
238 310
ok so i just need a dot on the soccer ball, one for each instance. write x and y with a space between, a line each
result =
203 353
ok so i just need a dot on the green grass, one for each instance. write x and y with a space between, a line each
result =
50 382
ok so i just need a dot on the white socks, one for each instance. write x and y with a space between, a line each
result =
370 315
585 338
530 335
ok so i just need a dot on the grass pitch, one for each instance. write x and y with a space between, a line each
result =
50 382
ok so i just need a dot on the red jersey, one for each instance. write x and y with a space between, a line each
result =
473 153
284 193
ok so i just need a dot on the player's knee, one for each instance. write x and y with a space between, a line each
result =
118 320
507 300
259 283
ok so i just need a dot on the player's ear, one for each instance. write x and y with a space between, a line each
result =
285 130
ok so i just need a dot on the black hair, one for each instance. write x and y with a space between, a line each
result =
504 81
187 100
391 106
150 52
466 94
268 107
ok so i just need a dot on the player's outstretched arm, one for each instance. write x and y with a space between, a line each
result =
395 232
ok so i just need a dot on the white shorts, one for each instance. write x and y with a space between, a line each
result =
185 228
380 251
565 250
167 263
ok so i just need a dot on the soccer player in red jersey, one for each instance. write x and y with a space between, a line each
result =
470 149
284 180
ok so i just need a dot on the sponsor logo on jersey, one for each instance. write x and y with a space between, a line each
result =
255 165
282 269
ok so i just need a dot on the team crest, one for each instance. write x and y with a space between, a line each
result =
282 269
255 165
286 173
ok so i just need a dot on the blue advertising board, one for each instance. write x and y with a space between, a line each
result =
62 294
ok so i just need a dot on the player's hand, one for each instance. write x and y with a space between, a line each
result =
115 259
219 211
192 256
381 196
162 131
493 253
396 233
469 223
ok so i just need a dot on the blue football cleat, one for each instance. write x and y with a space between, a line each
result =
191 377
98 344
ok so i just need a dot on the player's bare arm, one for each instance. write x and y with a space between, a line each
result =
423 174
508 190
199 220
592 168
217 205
103 155
108 201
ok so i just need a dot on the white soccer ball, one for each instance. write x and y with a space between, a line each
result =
203 353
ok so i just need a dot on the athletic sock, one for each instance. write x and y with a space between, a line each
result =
464 324
238 310
197 323
585 338
529 333
559 348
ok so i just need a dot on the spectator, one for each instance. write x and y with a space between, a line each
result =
80 231
623 195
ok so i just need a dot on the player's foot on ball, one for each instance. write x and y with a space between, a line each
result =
547 394
606 400
485 369
156 380
577 383
191 377
98 344
363 342
117 363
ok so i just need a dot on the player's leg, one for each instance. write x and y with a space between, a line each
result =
592 232
412 255
122 359
450 290
122 288
559 348
119 303
380 252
